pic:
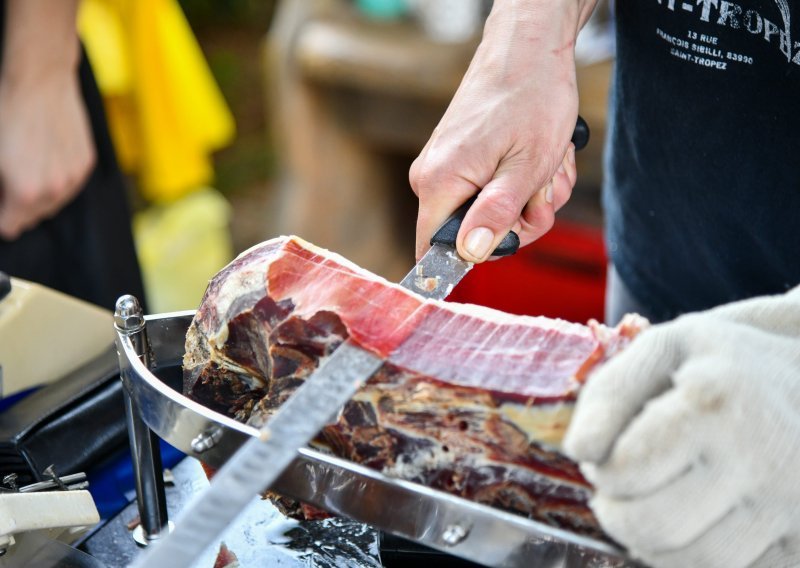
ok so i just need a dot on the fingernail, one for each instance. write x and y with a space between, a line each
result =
562 169
548 192
478 242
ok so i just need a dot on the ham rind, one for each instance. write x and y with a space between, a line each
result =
470 400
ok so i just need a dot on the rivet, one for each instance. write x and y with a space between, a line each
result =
454 534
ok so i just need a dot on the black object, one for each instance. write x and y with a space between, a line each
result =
397 552
5 285
73 424
447 233
580 136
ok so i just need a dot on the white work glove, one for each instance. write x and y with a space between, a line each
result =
691 437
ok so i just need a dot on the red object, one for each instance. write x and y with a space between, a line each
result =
562 275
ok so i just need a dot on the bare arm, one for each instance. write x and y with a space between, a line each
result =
506 133
46 148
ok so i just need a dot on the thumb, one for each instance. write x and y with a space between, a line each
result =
496 211
440 193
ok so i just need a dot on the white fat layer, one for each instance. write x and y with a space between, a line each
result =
542 423
217 340
242 282
414 464
546 423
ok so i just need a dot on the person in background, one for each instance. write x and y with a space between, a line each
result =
691 436
64 218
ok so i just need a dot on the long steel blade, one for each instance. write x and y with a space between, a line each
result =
256 465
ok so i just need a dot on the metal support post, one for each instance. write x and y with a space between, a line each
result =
145 451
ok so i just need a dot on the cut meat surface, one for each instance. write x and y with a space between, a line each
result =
470 400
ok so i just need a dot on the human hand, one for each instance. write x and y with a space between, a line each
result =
46 147
691 437
506 133
46 150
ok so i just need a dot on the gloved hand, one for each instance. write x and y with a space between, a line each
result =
691 437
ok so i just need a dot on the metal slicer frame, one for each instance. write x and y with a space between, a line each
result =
451 524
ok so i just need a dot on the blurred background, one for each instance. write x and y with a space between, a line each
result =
240 120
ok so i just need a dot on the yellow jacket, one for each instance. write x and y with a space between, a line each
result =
165 111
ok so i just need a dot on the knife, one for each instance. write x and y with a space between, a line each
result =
261 460
441 268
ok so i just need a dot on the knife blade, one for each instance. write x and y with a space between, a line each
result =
441 268
261 460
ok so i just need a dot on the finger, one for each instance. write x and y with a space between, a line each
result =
669 436
737 540
669 519
18 210
769 313
784 552
618 391
538 216
55 195
69 180
434 211
496 210
659 446
571 167
415 171
564 180
441 191
675 506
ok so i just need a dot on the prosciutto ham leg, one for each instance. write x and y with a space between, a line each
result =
470 400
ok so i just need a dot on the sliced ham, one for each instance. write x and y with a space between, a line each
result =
470 400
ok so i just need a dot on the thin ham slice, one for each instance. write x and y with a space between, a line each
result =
470 400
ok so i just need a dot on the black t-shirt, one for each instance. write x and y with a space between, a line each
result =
702 194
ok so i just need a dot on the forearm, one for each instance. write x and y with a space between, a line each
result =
553 24
523 38
575 12
41 40
46 145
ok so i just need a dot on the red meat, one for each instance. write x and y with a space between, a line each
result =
470 400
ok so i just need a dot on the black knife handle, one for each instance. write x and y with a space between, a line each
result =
580 136
5 285
447 233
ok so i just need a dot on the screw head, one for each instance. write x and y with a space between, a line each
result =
128 315
455 533
10 481
206 440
